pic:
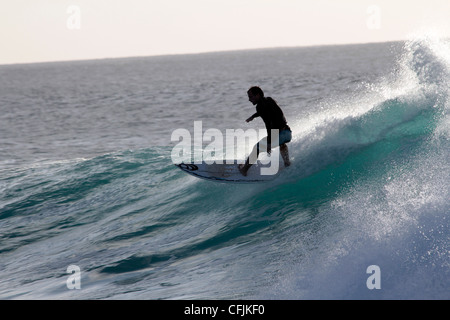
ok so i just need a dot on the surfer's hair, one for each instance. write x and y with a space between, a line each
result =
256 91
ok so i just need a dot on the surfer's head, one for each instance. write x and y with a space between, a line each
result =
255 94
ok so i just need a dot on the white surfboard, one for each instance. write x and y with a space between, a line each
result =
227 172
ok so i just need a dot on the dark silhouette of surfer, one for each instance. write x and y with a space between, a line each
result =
273 118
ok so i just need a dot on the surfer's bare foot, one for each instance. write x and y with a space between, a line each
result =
242 170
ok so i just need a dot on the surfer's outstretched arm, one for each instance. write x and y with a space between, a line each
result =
252 117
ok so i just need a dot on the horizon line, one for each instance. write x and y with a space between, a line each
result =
201 52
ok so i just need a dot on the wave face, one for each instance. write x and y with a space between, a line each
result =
368 185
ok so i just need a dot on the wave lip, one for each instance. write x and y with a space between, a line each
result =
394 212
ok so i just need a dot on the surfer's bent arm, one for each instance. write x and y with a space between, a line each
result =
252 117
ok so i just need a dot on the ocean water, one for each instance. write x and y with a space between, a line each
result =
86 177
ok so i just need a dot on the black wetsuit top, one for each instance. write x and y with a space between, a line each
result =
272 116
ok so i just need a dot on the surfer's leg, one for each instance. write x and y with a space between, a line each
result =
250 160
243 168
253 156
285 154
285 137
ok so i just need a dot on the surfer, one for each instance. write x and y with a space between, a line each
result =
273 118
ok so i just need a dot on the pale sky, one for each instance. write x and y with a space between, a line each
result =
54 30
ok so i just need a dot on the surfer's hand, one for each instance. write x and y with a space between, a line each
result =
249 119
269 150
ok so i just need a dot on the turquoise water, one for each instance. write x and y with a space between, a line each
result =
87 177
